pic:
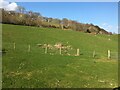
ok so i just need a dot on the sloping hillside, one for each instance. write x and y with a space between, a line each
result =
21 68
34 19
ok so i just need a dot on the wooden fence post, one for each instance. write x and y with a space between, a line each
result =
93 54
78 52
14 45
62 26
109 56
29 48
46 49
60 51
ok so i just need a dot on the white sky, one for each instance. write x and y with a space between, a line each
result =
8 6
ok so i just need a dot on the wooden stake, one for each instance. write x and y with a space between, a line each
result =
93 54
109 56
46 49
29 48
60 51
62 26
14 45
78 52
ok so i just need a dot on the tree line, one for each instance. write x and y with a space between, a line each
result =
30 18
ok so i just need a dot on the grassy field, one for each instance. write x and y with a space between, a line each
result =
35 69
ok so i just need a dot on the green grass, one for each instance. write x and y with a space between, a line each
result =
36 69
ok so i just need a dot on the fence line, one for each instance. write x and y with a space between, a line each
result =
75 52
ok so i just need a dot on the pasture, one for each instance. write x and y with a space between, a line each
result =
35 69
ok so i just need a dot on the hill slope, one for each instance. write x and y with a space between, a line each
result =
21 68
34 19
